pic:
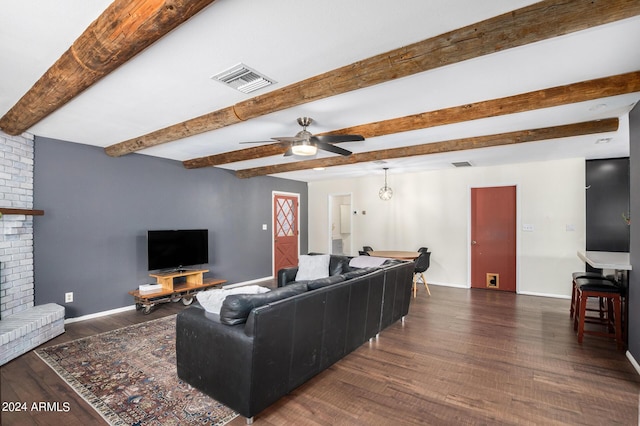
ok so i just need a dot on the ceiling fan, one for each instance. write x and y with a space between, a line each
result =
306 144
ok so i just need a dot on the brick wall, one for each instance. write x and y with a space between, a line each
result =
16 231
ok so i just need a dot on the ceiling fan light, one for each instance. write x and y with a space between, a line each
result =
304 148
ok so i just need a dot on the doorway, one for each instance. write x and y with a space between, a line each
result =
340 226
285 231
493 238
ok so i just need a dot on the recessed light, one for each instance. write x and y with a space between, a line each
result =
603 140
318 168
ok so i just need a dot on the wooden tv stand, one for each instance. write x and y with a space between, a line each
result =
174 292
165 279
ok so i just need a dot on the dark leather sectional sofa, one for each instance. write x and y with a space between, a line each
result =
262 346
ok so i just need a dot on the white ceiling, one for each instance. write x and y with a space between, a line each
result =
289 41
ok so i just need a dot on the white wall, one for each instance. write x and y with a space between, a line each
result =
433 209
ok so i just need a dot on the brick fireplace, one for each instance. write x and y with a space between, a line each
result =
16 247
23 326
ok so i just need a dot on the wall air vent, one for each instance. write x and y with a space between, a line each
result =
243 78
462 164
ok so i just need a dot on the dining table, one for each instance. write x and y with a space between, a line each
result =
395 254
620 263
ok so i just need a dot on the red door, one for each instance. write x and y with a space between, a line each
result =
285 226
493 238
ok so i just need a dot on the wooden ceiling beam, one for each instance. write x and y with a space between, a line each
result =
252 153
539 21
546 98
122 31
522 136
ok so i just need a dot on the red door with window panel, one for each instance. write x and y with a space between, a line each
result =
285 226
493 238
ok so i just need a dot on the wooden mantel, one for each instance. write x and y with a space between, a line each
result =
27 212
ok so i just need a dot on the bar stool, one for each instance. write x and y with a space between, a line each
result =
574 290
612 319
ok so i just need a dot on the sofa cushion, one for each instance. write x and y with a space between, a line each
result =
312 267
355 273
323 282
236 307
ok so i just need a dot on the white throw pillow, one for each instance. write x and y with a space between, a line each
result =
313 267
211 300
367 261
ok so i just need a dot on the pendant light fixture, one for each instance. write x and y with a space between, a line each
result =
385 192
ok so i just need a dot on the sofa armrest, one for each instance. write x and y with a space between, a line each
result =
215 358
287 275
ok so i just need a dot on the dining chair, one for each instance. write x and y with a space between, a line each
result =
421 249
422 264
367 248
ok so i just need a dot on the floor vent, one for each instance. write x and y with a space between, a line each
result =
243 78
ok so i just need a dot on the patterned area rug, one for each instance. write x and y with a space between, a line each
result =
129 376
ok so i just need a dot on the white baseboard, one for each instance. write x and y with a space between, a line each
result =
552 295
447 284
131 307
99 314
633 362
247 282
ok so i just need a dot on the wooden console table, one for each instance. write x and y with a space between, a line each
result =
171 292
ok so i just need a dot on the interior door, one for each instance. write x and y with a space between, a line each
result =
285 226
340 241
493 238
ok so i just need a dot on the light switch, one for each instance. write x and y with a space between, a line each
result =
264 226
527 227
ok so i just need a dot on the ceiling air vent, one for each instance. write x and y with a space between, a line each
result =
243 78
462 164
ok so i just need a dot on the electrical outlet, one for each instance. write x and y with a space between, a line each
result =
68 297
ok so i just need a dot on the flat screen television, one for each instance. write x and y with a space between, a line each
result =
177 249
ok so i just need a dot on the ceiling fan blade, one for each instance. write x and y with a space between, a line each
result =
338 138
289 139
258 142
332 148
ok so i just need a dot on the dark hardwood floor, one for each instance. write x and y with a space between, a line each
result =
461 357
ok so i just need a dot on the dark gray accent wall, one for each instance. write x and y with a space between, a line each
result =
92 238
634 275
607 198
